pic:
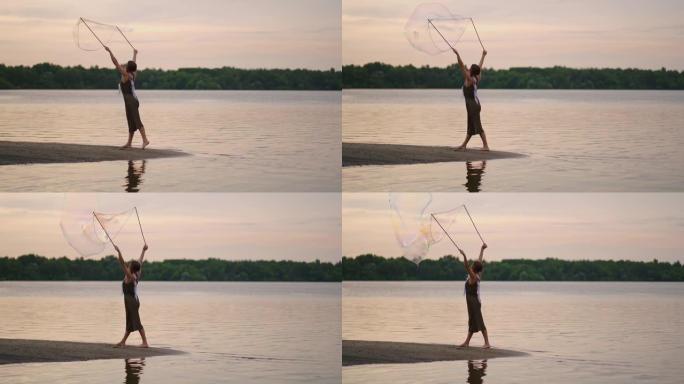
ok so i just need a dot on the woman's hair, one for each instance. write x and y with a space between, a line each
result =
477 266
134 265
474 70
131 66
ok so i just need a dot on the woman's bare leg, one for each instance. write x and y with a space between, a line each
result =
123 341
486 337
129 142
465 142
485 146
144 339
467 341
144 137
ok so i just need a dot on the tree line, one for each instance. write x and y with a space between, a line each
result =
373 267
34 267
51 76
380 75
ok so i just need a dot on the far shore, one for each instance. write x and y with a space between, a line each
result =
23 152
15 351
357 352
395 154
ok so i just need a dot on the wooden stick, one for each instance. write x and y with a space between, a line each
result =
103 228
98 39
440 33
124 36
478 35
473 223
140 225
445 232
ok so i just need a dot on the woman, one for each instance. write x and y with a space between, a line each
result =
472 293
132 271
471 80
127 85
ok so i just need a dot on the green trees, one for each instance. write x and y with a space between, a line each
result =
372 267
33 267
50 76
379 75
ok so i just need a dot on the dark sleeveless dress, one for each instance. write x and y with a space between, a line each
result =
132 104
475 320
132 306
473 108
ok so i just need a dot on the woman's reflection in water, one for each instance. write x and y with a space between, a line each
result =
474 172
134 369
476 371
136 169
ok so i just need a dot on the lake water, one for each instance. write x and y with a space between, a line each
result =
241 140
575 332
622 141
233 332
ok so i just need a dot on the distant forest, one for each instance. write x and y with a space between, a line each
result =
372 267
33 267
50 76
379 75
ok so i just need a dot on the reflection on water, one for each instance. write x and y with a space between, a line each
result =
474 172
134 370
136 169
569 138
548 320
240 141
476 371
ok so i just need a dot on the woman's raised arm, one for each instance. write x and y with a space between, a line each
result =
123 264
116 62
484 53
460 64
135 54
471 274
484 246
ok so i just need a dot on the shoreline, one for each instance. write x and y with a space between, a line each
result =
18 351
24 152
359 154
358 352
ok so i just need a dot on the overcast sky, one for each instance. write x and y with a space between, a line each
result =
304 226
574 33
530 225
174 33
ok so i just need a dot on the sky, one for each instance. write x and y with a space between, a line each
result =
171 33
573 33
532 225
231 226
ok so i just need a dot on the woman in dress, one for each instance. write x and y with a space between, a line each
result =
472 293
128 74
471 81
132 271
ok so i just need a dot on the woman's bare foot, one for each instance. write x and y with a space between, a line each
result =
144 345
486 346
464 345
460 148
145 144
125 146
119 345
485 149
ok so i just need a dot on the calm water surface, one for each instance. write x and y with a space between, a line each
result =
233 332
574 140
241 140
575 332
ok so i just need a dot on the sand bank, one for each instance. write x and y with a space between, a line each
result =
388 154
355 352
32 351
21 152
